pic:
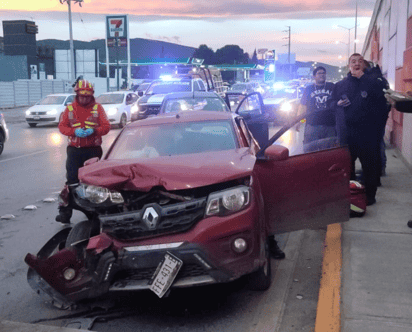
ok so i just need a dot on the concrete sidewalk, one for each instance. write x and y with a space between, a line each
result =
376 293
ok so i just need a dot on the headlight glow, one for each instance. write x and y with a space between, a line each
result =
112 111
286 107
134 109
228 201
28 112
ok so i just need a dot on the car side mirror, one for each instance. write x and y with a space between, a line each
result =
140 93
277 153
91 161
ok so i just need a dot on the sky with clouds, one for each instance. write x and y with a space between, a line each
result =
216 23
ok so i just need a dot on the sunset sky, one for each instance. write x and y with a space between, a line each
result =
216 23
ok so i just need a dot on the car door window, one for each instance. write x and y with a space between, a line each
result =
129 99
196 86
201 85
69 100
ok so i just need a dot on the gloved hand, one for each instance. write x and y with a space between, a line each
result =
89 131
80 132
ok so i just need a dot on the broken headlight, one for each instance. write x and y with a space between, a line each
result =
98 195
228 201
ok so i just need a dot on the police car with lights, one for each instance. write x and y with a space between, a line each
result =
151 101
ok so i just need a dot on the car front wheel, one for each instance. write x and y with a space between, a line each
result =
260 280
123 121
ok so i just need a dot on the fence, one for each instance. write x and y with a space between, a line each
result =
27 92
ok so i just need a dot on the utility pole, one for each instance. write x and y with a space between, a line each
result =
73 72
356 25
288 45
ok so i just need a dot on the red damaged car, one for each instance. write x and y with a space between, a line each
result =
183 200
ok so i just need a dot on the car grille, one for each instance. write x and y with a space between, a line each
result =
187 270
38 113
169 219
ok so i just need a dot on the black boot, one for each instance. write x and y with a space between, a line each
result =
65 213
274 249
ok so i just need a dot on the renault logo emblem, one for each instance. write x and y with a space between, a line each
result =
150 218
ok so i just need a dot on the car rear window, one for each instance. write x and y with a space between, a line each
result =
171 140
195 104
168 87
52 100
112 98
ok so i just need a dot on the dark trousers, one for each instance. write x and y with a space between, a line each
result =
366 147
76 158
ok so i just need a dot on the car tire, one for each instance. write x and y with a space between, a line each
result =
123 120
81 231
2 140
32 125
261 279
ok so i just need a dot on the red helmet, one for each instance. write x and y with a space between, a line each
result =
84 87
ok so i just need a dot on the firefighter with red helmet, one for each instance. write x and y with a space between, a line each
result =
84 122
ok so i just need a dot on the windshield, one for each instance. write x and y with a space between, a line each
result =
290 93
52 100
172 140
168 87
112 98
195 104
239 87
143 87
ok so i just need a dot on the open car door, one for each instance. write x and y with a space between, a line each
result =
305 191
251 108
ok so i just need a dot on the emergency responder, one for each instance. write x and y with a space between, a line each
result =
361 98
84 122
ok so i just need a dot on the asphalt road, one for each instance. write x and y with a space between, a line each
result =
32 169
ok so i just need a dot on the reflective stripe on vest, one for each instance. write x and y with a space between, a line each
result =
70 108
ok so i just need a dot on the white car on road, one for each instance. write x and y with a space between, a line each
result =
119 106
49 109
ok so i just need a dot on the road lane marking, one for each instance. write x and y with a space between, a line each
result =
25 155
328 310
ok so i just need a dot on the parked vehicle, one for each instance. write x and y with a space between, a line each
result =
283 103
119 106
4 133
49 110
187 200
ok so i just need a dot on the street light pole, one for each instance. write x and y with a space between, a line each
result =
72 67
349 29
73 73
356 24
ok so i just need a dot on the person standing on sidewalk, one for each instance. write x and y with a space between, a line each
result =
361 97
316 102
84 122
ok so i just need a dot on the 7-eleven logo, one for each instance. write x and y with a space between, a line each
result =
116 27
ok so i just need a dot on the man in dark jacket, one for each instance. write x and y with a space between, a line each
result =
362 107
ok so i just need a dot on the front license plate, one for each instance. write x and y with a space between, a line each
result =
165 274
36 117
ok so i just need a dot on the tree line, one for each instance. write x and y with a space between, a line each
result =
228 55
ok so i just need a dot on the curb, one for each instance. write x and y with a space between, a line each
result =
328 310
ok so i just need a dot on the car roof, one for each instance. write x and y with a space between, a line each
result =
116 92
183 116
60 94
188 94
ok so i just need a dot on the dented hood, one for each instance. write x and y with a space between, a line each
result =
172 173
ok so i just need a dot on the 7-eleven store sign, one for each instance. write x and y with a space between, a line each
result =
116 26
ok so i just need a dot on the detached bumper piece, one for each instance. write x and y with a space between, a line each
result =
100 273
